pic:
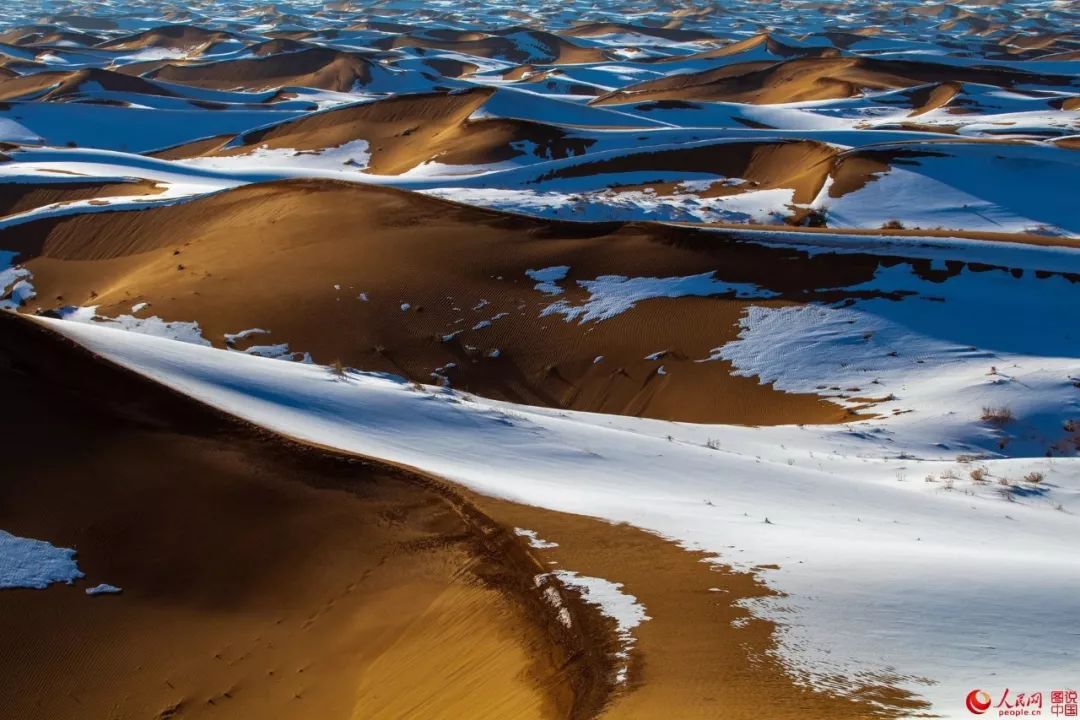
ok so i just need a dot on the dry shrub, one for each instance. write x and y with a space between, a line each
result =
997 416
978 474
1034 477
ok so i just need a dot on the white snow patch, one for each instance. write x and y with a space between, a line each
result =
231 338
36 564
610 295
188 332
547 277
624 608
533 540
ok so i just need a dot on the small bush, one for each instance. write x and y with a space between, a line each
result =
337 369
1034 477
978 474
816 218
892 225
997 416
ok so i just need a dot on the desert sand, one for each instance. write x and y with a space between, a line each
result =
569 360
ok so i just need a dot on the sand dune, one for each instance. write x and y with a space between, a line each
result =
805 79
301 239
403 132
806 266
97 79
610 28
515 45
16 86
316 68
20 197
178 37
43 35
259 578
799 165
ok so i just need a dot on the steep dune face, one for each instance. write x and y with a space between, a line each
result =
16 86
177 37
376 278
804 79
259 578
21 197
61 86
31 35
403 132
315 68
519 45
79 81
799 165
593 29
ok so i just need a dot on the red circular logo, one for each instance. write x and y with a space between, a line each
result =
978 702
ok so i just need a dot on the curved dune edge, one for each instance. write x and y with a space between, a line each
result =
700 654
288 257
260 578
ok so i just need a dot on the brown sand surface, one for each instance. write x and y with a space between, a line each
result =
560 50
180 37
802 165
20 197
260 579
18 86
403 132
268 579
106 79
803 79
700 655
294 258
315 68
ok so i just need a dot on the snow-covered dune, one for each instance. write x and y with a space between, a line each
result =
899 540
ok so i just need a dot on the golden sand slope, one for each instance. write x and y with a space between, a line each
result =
559 50
802 165
20 197
294 258
260 579
268 579
803 79
402 132
701 655
180 37
315 68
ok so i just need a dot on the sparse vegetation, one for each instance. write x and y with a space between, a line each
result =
338 369
893 224
978 474
1034 477
997 416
